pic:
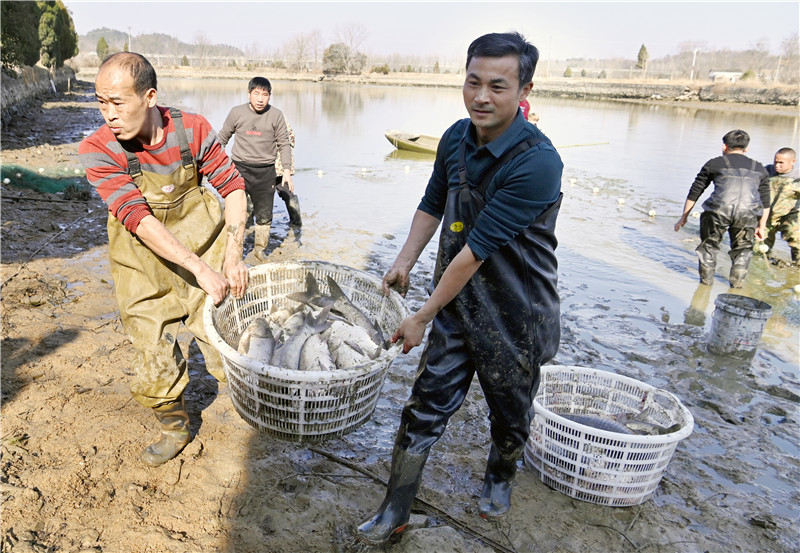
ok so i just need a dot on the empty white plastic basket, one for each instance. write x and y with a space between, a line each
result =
302 406
594 465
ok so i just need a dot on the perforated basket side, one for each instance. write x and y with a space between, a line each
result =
595 465
302 405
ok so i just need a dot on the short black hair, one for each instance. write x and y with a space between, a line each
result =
787 152
497 45
736 140
144 76
259 82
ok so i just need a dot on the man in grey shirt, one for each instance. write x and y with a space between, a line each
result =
262 137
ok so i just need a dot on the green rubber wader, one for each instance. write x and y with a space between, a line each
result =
155 296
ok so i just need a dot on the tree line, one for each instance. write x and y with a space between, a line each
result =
36 32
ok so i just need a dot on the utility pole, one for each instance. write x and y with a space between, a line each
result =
130 46
694 59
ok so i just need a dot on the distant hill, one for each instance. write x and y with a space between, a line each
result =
154 44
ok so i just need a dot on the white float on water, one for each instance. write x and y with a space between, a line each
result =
320 173
595 191
407 168
6 180
652 213
621 201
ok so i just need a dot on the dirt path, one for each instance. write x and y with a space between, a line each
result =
71 480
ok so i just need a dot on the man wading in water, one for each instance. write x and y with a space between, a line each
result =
495 188
168 242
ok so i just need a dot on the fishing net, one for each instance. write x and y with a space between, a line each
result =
71 182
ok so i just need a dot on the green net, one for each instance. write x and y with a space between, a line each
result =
48 181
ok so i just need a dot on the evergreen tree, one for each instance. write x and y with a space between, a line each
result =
568 72
102 48
641 62
58 40
19 37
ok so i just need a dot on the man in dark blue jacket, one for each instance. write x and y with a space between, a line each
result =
496 189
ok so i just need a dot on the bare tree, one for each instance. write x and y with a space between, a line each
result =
296 50
201 43
788 69
353 36
315 46
757 56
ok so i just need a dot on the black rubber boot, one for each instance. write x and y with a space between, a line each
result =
393 515
293 207
737 276
496 496
706 273
174 434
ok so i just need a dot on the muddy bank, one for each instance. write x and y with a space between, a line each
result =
30 86
70 478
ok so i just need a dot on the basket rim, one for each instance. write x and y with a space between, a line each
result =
685 430
265 369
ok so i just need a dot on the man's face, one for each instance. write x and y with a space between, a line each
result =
259 99
783 163
124 111
492 94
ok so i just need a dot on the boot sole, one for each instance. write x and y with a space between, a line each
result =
397 531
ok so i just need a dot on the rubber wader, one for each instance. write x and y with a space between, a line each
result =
174 433
395 511
503 324
156 296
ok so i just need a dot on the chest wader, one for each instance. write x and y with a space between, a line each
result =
783 214
735 206
259 182
156 296
503 325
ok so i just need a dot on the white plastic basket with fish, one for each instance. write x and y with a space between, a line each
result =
302 405
601 437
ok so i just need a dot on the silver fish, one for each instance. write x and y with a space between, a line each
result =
315 355
278 315
288 354
340 304
257 341
349 355
342 331
594 421
652 429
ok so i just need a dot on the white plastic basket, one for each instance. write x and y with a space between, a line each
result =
302 406
593 465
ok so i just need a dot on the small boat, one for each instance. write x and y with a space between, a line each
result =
422 143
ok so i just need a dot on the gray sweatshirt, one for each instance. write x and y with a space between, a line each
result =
259 136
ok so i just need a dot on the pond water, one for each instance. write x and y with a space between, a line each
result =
631 301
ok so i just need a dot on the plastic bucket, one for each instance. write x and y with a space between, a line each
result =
737 324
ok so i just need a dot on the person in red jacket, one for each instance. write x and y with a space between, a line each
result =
170 242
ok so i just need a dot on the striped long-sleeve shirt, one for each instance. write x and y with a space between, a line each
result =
106 166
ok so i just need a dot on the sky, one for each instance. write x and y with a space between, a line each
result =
560 30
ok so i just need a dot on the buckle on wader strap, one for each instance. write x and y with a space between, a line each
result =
187 159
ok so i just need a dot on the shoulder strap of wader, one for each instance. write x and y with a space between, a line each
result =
180 131
135 166
489 173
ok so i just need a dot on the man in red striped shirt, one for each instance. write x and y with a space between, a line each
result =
170 241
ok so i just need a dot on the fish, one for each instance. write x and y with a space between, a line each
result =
349 355
278 315
342 331
340 304
288 354
652 429
258 341
315 355
600 423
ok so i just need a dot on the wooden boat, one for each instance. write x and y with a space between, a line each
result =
422 143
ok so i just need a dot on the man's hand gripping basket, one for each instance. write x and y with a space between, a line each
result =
295 405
